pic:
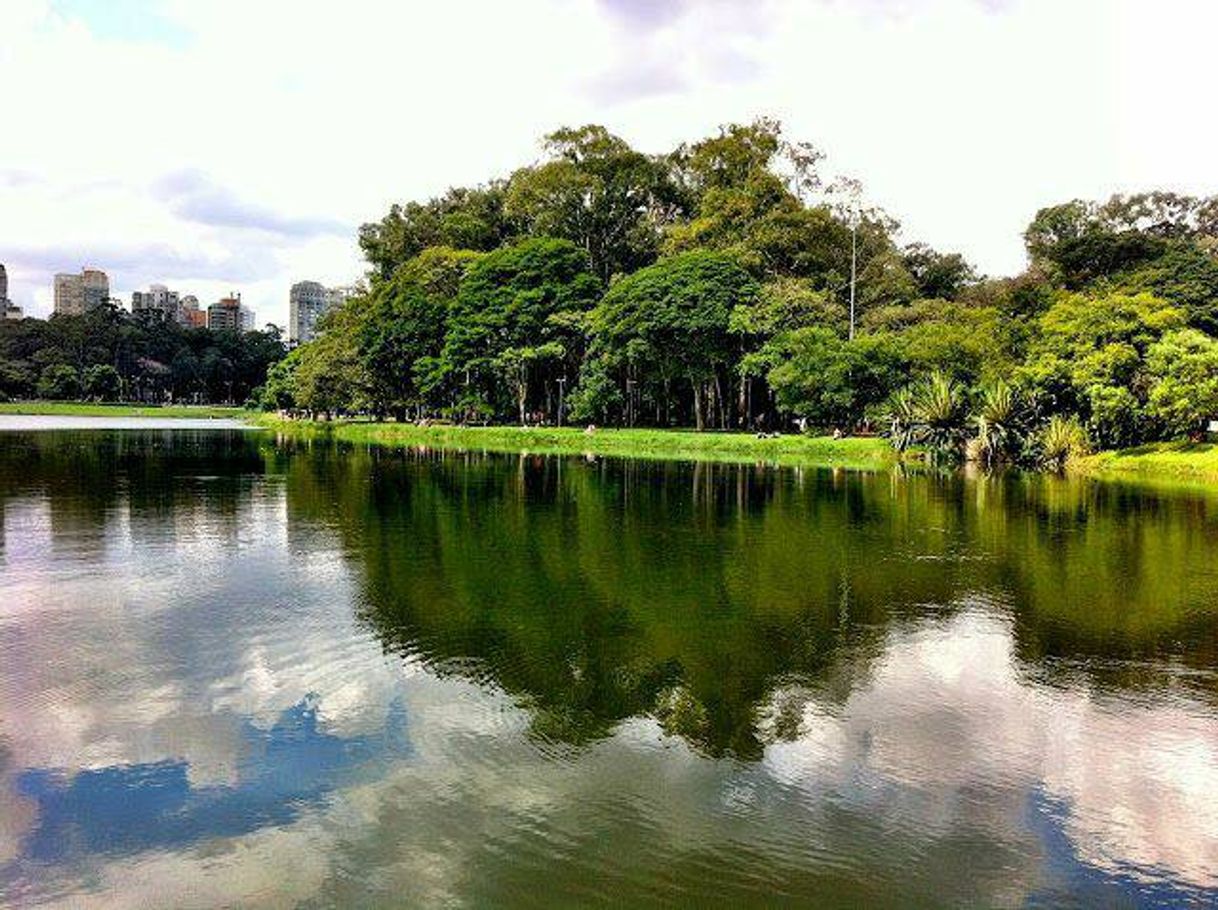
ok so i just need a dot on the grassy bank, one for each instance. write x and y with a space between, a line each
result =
637 443
77 409
1193 461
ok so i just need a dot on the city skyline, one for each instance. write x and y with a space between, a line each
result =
74 293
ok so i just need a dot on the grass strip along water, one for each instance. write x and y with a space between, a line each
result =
82 409
851 452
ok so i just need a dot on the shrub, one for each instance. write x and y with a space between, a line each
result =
1061 440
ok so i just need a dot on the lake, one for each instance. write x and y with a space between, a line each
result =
237 670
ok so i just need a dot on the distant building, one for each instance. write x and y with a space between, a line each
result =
96 288
78 294
189 314
8 309
69 295
249 320
225 315
158 304
307 301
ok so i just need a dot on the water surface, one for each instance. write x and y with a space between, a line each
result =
236 670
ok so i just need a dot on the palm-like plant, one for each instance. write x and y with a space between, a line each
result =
942 416
903 419
933 413
998 423
1062 438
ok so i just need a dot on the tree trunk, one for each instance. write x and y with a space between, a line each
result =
698 423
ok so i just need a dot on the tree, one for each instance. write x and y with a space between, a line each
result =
17 379
279 392
832 381
969 344
937 275
1182 367
101 382
1088 357
59 382
463 218
401 336
528 295
599 193
669 322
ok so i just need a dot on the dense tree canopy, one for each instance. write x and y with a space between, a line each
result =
712 287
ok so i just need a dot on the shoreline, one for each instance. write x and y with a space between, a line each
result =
653 444
85 409
1170 462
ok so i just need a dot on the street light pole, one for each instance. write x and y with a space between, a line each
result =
562 382
854 259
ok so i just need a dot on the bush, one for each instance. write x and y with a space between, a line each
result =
101 382
59 382
1062 440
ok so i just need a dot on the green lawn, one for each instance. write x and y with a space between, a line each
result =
77 409
657 444
1157 461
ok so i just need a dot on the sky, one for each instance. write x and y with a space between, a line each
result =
227 145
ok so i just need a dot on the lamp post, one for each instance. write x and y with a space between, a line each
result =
562 382
854 262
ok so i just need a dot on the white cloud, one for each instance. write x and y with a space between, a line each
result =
961 116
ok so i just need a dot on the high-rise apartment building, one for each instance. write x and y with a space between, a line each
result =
78 294
225 314
8 309
307 301
69 295
158 304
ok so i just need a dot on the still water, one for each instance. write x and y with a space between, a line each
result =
241 671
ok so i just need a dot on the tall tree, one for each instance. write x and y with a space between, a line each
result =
513 307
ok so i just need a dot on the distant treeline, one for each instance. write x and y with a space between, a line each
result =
711 287
108 354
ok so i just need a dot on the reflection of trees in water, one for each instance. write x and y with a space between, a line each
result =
594 591
597 591
166 481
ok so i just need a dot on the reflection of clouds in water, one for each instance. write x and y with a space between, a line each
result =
947 715
478 810
942 735
127 666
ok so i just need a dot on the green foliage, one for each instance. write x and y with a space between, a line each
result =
1183 373
1088 357
786 304
326 377
401 333
932 413
599 193
491 303
17 379
1063 439
59 382
669 323
831 381
529 295
940 276
101 382
155 362
462 218
967 343
1000 425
